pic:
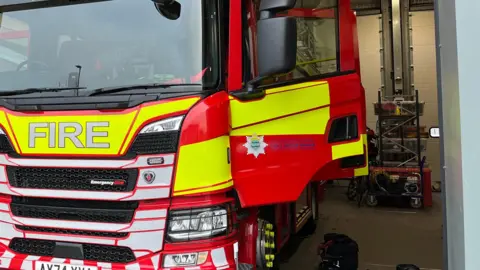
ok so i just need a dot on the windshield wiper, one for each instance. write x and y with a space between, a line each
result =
36 90
111 90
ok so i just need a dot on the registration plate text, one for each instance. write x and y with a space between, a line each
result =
59 266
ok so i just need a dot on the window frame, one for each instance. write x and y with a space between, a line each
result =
276 83
310 13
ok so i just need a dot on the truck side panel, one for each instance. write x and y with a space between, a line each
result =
281 141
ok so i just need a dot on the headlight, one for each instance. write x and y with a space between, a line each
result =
170 124
184 259
196 224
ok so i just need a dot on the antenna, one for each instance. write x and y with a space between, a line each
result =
78 78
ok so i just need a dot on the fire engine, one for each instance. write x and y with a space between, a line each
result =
162 134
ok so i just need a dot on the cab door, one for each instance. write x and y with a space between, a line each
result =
278 131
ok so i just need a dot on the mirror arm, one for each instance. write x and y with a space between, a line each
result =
253 84
266 14
252 92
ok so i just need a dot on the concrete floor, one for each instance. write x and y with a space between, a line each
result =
386 236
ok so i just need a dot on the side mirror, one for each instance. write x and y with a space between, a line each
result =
277 5
169 9
277 46
277 38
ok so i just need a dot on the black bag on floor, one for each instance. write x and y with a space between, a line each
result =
338 252
407 267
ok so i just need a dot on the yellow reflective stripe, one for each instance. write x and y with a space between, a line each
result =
203 167
206 189
281 101
299 86
363 171
307 123
119 128
347 149
6 127
115 133
149 112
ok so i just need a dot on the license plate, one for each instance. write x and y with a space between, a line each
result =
59 266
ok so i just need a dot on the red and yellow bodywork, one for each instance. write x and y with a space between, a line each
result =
182 172
294 122
211 159
266 151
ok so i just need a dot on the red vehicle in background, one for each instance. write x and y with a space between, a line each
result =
173 134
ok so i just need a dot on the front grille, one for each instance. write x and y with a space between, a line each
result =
90 252
144 144
111 180
73 210
5 145
72 232
155 143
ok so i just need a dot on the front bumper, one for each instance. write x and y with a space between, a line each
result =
219 257
130 222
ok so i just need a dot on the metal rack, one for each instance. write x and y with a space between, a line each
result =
401 138
399 171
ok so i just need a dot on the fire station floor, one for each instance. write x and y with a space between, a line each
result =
386 236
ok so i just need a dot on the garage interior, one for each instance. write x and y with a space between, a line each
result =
398 41
388 235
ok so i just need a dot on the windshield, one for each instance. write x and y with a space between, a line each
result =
106 44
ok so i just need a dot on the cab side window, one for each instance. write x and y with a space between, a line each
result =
317 39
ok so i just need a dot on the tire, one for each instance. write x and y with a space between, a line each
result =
265 250
436 186
362 189
314 202
352 189
311 226
371 200
416 202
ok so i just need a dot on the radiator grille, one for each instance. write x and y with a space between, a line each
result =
156 143
72 232
5 145
91 252
73 210
144 144
111 180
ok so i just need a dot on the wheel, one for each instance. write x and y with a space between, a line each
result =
266 246
362 189
372 200
352 189
436 186
311 226
416 202
314 202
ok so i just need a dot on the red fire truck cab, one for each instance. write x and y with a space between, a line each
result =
188 134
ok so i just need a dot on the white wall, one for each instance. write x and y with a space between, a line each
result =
369 47
425 79
424 61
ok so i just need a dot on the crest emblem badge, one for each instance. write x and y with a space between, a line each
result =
255 145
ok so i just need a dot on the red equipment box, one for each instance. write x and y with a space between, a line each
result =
426 188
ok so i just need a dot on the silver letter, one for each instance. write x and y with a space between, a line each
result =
91 134
73 136
52 135
33 134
